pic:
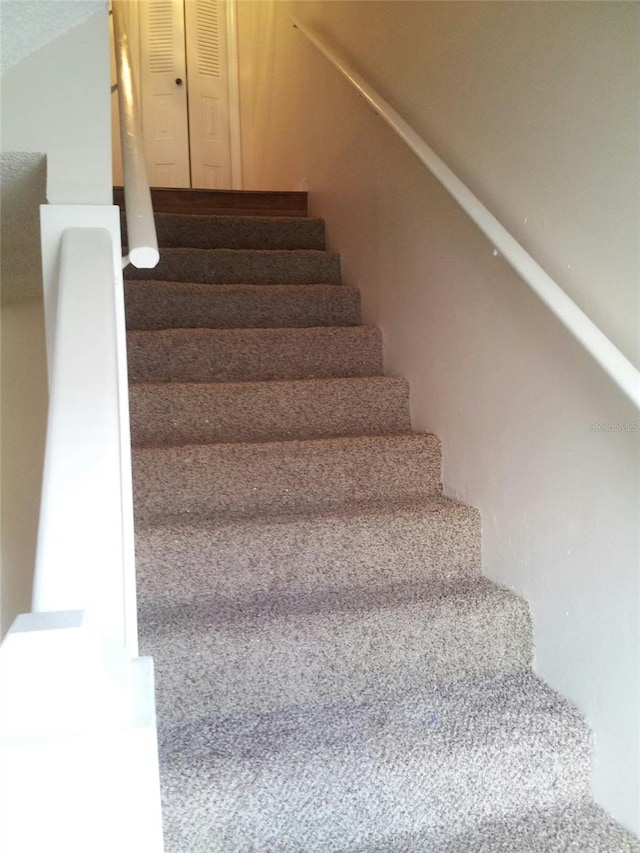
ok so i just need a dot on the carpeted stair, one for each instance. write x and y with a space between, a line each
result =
333 672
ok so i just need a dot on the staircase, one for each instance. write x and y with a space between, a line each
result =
333 671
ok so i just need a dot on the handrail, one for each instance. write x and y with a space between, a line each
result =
605 353
84 556
78 736
141 230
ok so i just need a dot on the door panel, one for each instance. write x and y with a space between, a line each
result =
206 40
164 101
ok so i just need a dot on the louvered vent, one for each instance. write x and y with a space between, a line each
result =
208 38
161 36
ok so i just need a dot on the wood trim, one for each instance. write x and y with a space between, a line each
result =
224 202
233 68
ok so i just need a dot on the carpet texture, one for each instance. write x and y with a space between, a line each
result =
370 546
241 355
245 266
333 672
193 231
170 413
168 305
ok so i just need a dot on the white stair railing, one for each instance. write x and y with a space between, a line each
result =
596 343
141 230
78 743
85 556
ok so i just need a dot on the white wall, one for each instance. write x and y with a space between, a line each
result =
23 388
23 406
56 101
536 106
55 129
27 25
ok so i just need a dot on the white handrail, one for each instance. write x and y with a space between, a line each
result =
619 368
84 557
78 741
141 229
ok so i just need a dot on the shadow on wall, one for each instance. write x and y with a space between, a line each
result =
23 379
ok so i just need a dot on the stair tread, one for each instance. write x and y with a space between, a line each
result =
428 595
154 305
258 332
441 768
238 254
242 222
427 711
184 413
208 231
574 827
374 543
423 766
243 266
241 478
300 447
246 387
223 355
272 650
272 331
430 505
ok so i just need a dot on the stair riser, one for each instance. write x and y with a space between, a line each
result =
232 232
267 411
173 305
179 564
230 266
229 664
223 202
245 355
205 481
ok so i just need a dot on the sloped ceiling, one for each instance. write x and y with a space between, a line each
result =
27 25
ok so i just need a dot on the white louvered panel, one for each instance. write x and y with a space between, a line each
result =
160 32
208 37
164 102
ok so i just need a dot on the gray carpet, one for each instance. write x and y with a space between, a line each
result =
370 546
199 480
333 672
357 774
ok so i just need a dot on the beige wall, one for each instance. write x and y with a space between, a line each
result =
271 97
536 106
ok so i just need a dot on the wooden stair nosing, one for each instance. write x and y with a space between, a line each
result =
224 202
